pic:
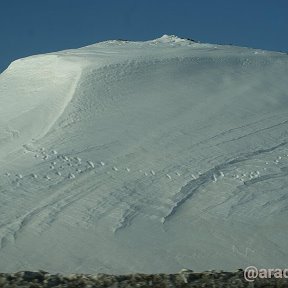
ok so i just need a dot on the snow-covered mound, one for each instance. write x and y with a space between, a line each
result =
144 157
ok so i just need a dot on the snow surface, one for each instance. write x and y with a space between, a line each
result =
144 157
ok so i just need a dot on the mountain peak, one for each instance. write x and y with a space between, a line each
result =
170 39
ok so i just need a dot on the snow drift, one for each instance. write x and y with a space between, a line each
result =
144 157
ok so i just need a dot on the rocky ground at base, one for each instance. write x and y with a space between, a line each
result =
185 278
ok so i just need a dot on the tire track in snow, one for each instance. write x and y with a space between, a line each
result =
45 210
48 210
254 132
187 191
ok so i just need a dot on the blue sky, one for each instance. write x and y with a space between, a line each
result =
37 26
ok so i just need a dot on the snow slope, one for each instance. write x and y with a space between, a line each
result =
144 157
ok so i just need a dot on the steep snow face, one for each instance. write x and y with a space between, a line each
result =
144 157
34 92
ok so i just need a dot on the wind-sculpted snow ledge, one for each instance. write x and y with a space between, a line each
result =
185 278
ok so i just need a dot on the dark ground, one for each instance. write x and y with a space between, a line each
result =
185 278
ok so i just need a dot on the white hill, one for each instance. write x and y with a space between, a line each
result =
144 157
